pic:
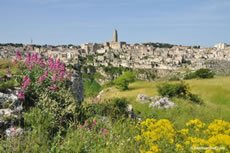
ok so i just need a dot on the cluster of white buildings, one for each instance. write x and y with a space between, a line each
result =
139 56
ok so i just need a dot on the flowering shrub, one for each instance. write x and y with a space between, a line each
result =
162 136
39 75
43 86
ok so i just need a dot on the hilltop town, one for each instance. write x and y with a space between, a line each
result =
116 53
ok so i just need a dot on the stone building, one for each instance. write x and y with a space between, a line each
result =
115 44
221 46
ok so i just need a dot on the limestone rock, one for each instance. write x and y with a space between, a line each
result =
162 103
77 85
143 98
14 131
154 99
6 112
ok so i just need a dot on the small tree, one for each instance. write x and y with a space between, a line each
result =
122 82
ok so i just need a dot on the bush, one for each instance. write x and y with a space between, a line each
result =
179 90
204 73
172 90
190 75
194 98
101 137
201 73
113 108
122 82
39 75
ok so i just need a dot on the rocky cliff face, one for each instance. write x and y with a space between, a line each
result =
221 67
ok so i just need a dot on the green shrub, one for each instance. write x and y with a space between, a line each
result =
61 104
113 108
37 137
39 120
194 98
172 90
190 75
179 90
201 73
122 82
204 73
102 137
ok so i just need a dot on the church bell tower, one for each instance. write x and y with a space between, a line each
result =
115 36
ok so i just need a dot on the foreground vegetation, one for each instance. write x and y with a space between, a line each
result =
54 122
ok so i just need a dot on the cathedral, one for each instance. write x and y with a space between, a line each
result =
115 44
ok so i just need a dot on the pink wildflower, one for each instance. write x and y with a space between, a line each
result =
18 55
43 77
53 87
28 60
46 73
26 82
54 77
21 95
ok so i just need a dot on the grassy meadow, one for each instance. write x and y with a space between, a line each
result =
214 92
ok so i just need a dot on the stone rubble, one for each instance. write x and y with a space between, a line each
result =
162 103
156 101
10 110
14 131
142 98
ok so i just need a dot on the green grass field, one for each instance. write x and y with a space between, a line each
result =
215 93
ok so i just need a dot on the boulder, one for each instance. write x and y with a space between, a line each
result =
14 131
162 103
6 112
143 98
154 99
8 100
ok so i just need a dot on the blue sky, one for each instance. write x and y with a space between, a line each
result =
185 22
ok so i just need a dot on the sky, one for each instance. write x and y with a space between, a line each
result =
181 22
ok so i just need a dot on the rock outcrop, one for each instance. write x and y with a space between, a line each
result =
77 84
10 115
162 103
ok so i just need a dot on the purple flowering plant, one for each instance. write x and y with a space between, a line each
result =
39 75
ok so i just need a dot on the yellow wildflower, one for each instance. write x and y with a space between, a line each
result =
219 127
138 138
195 123
219 140
179 147
197 141
155 148
209 151
184 132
